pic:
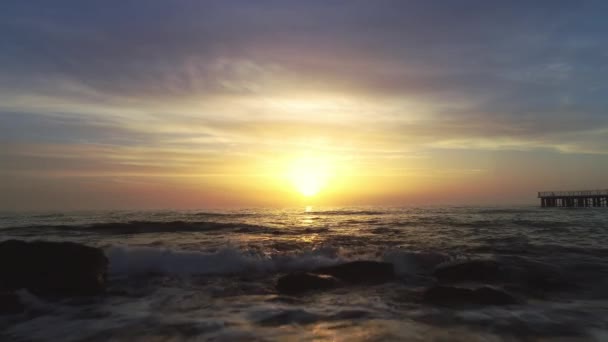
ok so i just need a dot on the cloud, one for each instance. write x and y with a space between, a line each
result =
148 87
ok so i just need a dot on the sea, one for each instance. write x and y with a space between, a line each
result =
210 275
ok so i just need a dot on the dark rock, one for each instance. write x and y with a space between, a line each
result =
469 271
56 268
10 304
302 282
356 272
360 272
447 295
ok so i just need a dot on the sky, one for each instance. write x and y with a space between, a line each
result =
183 104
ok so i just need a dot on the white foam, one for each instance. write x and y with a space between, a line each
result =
141 260
410 262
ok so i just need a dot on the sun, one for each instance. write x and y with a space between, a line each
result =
309 175
308 184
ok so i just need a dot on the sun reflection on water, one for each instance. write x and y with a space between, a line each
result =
307 221
309 238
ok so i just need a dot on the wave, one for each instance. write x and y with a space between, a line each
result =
552 224
136 227
125 260
50 215
415 262
384 230
298 316
507 210
141 227
146 260
345 212
212 214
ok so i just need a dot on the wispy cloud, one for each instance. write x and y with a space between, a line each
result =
216 88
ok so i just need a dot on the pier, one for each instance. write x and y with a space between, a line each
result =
574 199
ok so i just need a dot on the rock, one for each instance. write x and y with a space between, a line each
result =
302 282
469 271
447 295
10 304
356 272
57 268
360 272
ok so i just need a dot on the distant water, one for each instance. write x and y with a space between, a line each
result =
199 275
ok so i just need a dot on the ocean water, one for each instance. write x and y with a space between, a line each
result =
210 275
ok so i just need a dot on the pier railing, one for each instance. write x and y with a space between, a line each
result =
584 198
573 193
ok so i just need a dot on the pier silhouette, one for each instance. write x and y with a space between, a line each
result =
577 199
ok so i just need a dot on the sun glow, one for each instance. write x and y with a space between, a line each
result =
309 175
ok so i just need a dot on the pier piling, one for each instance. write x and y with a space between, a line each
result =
573 199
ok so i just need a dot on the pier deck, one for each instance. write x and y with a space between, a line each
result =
585 198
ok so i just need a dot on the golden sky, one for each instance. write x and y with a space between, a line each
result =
235 104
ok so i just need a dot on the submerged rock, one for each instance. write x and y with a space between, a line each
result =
360 272
350 273
469 271
42 267
10 304
303 282
447 295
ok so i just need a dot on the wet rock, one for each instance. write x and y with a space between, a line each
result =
447 295
54 268
10 304
469 271
302 282
360 272
356 272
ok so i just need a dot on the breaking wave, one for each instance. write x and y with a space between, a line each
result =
142 260
145 260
